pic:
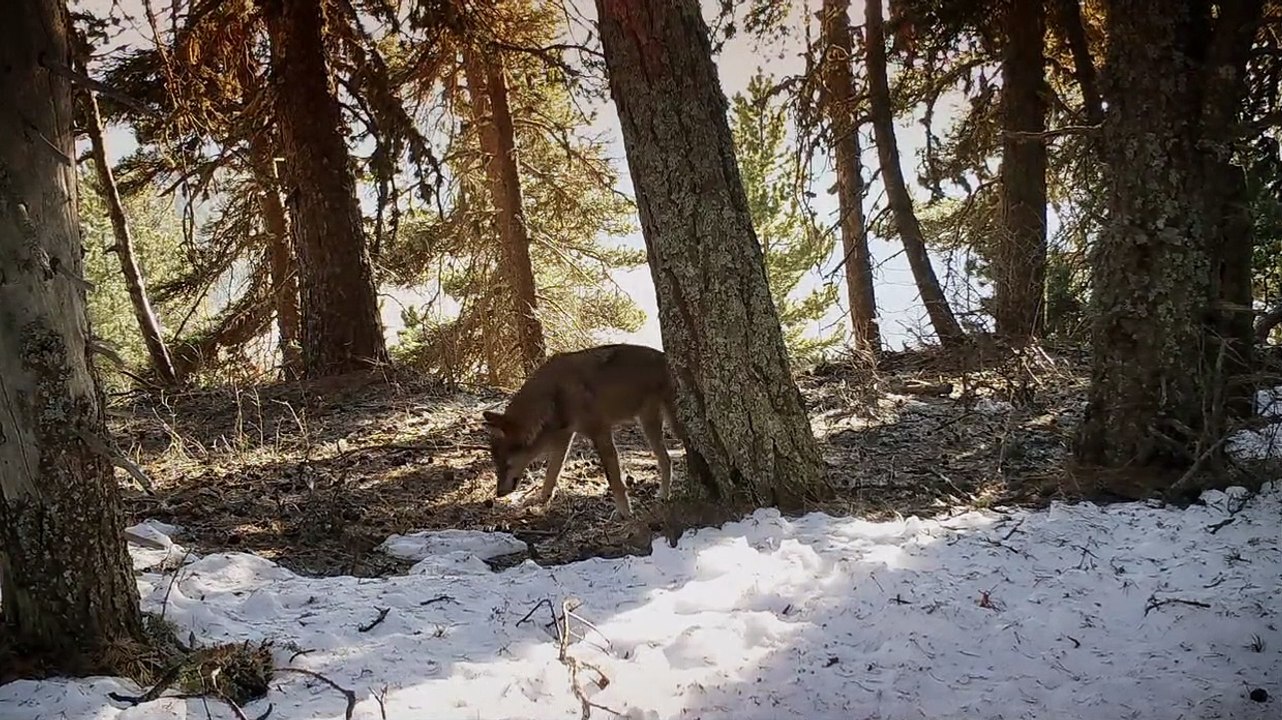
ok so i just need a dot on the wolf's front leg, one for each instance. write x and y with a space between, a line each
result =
604 442
555 455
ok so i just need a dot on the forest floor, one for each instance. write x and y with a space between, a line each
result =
315 476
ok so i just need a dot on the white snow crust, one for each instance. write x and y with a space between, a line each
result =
1078 611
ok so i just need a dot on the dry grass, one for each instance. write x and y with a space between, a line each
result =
316 475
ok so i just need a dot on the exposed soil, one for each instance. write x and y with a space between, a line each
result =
316 475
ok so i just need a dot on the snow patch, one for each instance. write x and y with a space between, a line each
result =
421 545
1077 611
1264 443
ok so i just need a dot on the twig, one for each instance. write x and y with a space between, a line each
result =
1153 603
351 696
97 86
438 598
1014 529
100 446
382 615
301 653
1052 133
380 697
163 684
568 606
1212 529
236 709
1178 485
534 609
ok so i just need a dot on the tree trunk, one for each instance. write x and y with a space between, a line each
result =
341 329
901 203
748 437
1231 237
840 107
1159 380
280 259
1068 16
66 579
1020 287
148 324
487 89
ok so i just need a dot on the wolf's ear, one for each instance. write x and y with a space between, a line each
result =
496 423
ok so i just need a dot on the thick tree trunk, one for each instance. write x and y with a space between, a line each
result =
148 324
748 435
341 329
487 89
1232 234
901 204
1068 18
1020 287
840 107
280 258
66 580
1159 381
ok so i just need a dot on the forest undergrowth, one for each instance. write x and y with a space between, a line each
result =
316 475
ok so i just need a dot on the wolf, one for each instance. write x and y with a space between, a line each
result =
587 393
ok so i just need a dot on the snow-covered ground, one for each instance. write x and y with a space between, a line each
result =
1264 442
1124 611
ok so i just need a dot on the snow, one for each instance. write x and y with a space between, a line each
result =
451 551
1077 611
165 553
1264 442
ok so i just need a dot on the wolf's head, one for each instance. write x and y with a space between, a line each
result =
511 449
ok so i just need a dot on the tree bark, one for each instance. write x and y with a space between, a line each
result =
1020 287
487 90
280 258
747 434
901 204
148 324
1068 16
1160 381
1231 238
840 107
66 579
341 329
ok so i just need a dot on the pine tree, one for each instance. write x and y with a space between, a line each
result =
791 242
906 223
749 438
1019 300
1164 267
341 329
68 588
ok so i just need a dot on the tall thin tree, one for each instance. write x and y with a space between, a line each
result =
488 96
941 315
749 438
1020 268
840 106
280 256
148 323
341 329
67 583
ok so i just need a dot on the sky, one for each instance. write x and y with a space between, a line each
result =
901 316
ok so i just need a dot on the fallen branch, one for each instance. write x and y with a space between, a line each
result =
1212 529
350 695
236 709
1153 603
382 615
